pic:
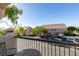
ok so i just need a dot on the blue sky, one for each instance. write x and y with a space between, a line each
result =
49 13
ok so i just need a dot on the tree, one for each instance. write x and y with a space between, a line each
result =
12 13
77 30
20 31
39 31
70 31
71 28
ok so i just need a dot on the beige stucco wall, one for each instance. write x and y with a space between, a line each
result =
2 8
1 12
11 42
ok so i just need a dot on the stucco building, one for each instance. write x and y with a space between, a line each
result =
56 29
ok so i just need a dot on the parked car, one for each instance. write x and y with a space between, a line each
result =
66 39
47 37
70 40
57 39
76 40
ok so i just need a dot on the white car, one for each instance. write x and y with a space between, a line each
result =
76 40
57 39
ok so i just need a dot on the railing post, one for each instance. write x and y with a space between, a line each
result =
64 49
34 44
41 48
51 49
26 43
75 50
55 49
44 49
59 50
31 44
39 45
48 48
69 49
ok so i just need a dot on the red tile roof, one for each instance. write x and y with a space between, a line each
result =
55 26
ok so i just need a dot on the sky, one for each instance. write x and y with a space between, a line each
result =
36 14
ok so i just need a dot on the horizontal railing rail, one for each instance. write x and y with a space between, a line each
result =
51 41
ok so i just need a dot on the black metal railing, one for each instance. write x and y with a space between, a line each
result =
50 47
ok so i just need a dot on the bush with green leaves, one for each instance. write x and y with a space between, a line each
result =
70 31
1 32
20 31
38 31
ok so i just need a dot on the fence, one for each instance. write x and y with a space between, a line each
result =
48 47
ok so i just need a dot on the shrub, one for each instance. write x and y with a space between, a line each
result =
1 32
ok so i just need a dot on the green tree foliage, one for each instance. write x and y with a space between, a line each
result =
38 31
12 13
77 29
1 32
70 31
20 31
